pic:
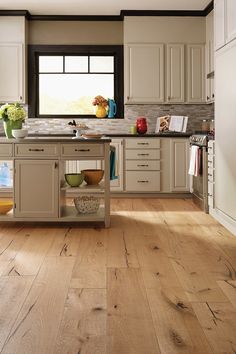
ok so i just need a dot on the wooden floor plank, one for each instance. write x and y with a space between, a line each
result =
37 325
65 243
13 292
218 321
176 325
229 288
30 257
83 327
129 323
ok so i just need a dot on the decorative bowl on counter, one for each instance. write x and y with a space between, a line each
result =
5 206
87 204
93 176
74 179
19 133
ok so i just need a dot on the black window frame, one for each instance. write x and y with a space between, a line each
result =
34 51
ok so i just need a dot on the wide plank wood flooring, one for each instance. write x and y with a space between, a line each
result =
162 279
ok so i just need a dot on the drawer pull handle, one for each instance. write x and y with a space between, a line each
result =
210 195
143 154
142 143
143 181
209 174
142 165
82 150
36 150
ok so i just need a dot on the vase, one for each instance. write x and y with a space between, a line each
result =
9 125
101 112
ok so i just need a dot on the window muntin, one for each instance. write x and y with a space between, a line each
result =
69 86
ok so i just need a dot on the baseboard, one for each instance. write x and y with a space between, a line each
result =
224 219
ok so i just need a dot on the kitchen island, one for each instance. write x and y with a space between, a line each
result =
39 187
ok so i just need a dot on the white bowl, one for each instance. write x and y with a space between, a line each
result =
19 133
87 204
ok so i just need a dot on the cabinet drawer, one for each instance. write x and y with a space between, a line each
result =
146 181
143 165
81 150
211 176
140 143
33 150
211 147
6 150
143 155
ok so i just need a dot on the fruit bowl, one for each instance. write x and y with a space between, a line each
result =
5 206
74 179
87 204
93 176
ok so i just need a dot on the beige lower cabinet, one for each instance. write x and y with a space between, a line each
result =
179 162
36 188
142 165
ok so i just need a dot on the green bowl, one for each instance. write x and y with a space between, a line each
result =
74 179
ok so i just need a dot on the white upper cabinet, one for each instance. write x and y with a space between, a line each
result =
12 59
175 73
209 54
219 28
196 73
225 22
144 73
230 20
11 72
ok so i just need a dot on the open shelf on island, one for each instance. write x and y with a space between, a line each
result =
70 213
99 188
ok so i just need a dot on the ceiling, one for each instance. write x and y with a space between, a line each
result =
98 7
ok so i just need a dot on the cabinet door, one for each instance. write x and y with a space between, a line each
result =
219 27
196 73
179 161
144 73
230 19
36 188
175 73
11 72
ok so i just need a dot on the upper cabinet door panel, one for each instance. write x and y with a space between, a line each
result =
11 72
196 73
175 73
219 28
230 25
144 73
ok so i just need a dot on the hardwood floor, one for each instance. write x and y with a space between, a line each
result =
162 279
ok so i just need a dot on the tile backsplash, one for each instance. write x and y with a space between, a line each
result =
196 114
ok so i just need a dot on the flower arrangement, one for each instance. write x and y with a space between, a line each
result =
100 101
13 112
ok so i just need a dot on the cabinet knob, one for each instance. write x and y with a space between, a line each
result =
20 97
169 97
208 98
213 96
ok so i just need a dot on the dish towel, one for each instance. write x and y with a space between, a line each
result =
113 164
195 161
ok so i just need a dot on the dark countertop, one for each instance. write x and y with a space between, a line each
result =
54 139
112 135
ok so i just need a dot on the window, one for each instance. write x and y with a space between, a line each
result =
64 84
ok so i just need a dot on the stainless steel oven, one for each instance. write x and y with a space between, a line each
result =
200 182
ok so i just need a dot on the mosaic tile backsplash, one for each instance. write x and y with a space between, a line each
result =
196 114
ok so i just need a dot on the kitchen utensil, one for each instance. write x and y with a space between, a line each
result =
74 179
93 176
112 108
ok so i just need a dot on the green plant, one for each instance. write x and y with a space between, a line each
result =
13 112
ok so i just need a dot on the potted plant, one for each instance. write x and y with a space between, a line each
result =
101 104
13 115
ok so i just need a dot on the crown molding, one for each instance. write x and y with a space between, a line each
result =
123 13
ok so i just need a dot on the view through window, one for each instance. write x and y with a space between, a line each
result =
67 84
